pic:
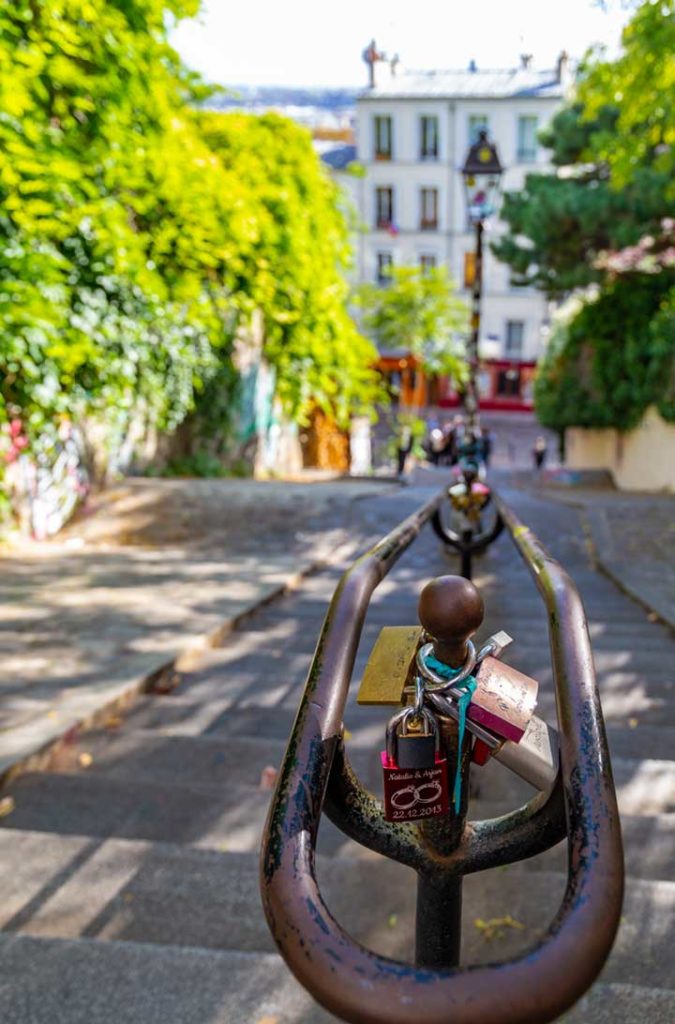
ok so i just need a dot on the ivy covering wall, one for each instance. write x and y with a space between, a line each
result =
137 234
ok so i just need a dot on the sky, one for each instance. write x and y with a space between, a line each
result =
311 42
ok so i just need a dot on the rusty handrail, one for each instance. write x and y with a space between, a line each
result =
365 988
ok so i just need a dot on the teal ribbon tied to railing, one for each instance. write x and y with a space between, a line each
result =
468 686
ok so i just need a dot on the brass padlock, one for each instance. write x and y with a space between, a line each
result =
389 667
470 499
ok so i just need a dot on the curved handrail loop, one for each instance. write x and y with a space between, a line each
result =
365 988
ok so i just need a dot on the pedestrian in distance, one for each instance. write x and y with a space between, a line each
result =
487 443
434 441
405 443
539 452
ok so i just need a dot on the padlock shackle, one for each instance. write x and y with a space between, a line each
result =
365 988
403 717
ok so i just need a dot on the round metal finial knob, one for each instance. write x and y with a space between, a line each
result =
451 610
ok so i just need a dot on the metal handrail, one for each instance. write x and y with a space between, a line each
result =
365 988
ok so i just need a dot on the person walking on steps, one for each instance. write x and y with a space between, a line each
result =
539 453
405 443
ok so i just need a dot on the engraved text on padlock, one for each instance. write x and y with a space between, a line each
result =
413 793
504 700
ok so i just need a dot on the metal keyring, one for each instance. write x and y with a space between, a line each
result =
418 706
444 685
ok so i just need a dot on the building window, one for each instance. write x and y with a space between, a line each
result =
383 137
429 209
515 333
427 262
385 262
527 139
428 138
477 123
384 207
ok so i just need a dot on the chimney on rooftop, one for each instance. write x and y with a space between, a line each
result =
526 61
371 56
562 66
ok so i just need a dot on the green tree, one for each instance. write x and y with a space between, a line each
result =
641 85
420 312
559 224
601 223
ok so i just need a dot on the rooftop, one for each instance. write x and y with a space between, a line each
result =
478 84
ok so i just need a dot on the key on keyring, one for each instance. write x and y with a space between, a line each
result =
415 773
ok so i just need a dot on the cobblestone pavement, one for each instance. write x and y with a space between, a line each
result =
153 568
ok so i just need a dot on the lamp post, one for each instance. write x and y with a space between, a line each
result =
482 172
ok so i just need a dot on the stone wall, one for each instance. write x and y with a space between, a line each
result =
639 460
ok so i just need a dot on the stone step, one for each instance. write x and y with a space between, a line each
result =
216 762
617 670
639 739
179 716
648 843
81 982
101 807
122 890
644 787
56 981
160 893
625 702
623 1004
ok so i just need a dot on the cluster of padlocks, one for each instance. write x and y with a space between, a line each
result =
434 672
469 496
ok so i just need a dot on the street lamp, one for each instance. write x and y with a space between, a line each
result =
482 172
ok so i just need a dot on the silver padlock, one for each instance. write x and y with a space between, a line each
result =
535 758
504 699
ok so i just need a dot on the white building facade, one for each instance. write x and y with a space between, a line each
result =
414 130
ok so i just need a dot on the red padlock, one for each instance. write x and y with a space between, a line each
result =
480 752
415 774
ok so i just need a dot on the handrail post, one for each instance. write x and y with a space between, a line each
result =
438 920
438 916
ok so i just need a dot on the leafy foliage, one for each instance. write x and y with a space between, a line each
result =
560 224
601 222
641 85
137 234
294 272
103 286
417 311
583 379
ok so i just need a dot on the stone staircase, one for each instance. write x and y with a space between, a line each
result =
131 866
